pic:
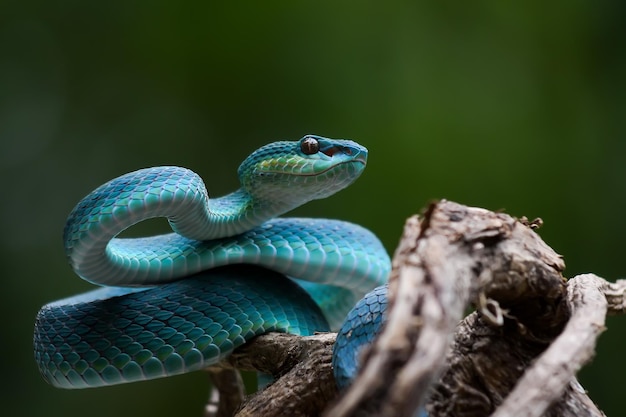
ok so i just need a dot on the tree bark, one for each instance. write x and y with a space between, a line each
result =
517 354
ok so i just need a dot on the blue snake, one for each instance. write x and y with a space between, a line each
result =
179 302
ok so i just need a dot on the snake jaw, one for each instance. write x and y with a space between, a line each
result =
358 164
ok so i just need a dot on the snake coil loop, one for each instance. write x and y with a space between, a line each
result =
179 302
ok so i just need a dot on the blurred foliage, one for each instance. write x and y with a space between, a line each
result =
516 106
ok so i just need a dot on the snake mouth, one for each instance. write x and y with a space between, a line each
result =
358 160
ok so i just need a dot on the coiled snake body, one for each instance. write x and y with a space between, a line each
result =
179 302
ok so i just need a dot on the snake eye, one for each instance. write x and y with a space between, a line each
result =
309 146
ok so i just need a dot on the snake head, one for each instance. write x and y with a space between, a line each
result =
295 172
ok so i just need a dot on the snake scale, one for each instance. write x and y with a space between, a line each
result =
179 302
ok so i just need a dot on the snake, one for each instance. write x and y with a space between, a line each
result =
231 269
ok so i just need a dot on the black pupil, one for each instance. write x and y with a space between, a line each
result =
310 146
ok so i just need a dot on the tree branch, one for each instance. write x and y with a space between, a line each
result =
558 365
228 394
516 355
302 369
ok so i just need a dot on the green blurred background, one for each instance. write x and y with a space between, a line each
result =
505 106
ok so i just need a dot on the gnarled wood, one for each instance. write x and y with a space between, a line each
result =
517 354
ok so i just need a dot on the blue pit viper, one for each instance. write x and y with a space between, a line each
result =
179 302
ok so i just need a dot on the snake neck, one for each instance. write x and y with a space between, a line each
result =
238 212
230 215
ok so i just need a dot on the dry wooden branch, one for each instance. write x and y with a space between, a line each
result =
558 365
228 394
450 257
517 355
302 369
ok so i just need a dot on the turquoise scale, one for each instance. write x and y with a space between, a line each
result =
198 321
231 269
